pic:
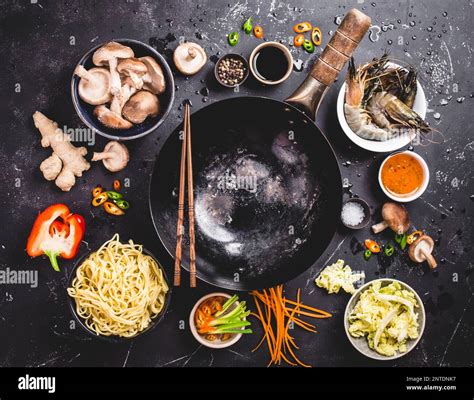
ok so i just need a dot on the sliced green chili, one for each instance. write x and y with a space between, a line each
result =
247 26
367 254
233 38
114 195
403 242
388 250
398 238
308 45
123 204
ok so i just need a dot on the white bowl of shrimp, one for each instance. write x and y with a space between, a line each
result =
376 130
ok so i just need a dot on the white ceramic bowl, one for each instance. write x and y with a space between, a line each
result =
420 191
361 344
386 146
217 344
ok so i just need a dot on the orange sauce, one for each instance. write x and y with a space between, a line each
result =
402 174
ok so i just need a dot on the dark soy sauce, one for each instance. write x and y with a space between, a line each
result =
270 64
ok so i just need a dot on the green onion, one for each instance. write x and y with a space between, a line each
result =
225 321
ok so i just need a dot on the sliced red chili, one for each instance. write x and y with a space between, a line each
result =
298 40
258 31
302 27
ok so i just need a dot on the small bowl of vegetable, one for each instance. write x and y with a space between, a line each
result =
218 320
384 319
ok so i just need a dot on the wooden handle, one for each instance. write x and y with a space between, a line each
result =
341 46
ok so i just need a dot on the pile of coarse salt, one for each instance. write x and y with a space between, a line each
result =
352 213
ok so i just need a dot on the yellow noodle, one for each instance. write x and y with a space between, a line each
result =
118 290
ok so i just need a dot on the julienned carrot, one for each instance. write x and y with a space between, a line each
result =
301 305
276 322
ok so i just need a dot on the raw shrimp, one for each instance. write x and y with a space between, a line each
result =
409 88
389 112
378 101
358 119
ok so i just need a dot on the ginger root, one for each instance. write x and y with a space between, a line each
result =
67 161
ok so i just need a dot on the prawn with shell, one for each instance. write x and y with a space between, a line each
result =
379 99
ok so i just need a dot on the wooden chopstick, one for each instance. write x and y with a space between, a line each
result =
180 223
192 242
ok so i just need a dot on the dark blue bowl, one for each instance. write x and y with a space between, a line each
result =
86 111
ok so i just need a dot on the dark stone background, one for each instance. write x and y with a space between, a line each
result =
36 51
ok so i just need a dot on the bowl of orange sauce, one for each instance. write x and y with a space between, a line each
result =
404 176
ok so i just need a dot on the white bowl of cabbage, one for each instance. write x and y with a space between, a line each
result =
384 319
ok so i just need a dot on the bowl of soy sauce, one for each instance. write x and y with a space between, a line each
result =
271 63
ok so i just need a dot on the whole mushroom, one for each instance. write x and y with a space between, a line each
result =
395 217
420 250
141 105
115 156
111 119
94 85
134 69
126 91
189 58
108 54
154 79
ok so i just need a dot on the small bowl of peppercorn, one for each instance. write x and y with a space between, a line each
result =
231 70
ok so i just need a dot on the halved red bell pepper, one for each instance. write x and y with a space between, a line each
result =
56 233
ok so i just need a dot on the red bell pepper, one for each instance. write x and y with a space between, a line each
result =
56 232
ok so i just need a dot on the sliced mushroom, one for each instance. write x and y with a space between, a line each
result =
420 250
111 119
94 85
115 156
108 55
133 68
141 105
154 79
395 217
189 58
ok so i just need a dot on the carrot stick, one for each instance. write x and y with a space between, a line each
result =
309 308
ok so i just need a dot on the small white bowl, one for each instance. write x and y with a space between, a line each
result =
201 339
419 106
422 188
361 344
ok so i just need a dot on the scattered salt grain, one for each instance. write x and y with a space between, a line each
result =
352 214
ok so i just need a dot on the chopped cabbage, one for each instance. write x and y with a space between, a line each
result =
335 276
386 316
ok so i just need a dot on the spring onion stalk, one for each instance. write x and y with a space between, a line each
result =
225 321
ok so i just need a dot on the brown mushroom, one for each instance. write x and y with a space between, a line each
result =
126 91
420 250
189 58
108 55
115 156
110 118
94 85
154 79
133 68
141 105
395 217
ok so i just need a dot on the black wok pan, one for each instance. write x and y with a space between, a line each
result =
267 186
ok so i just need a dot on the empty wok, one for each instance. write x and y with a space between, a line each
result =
267 185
